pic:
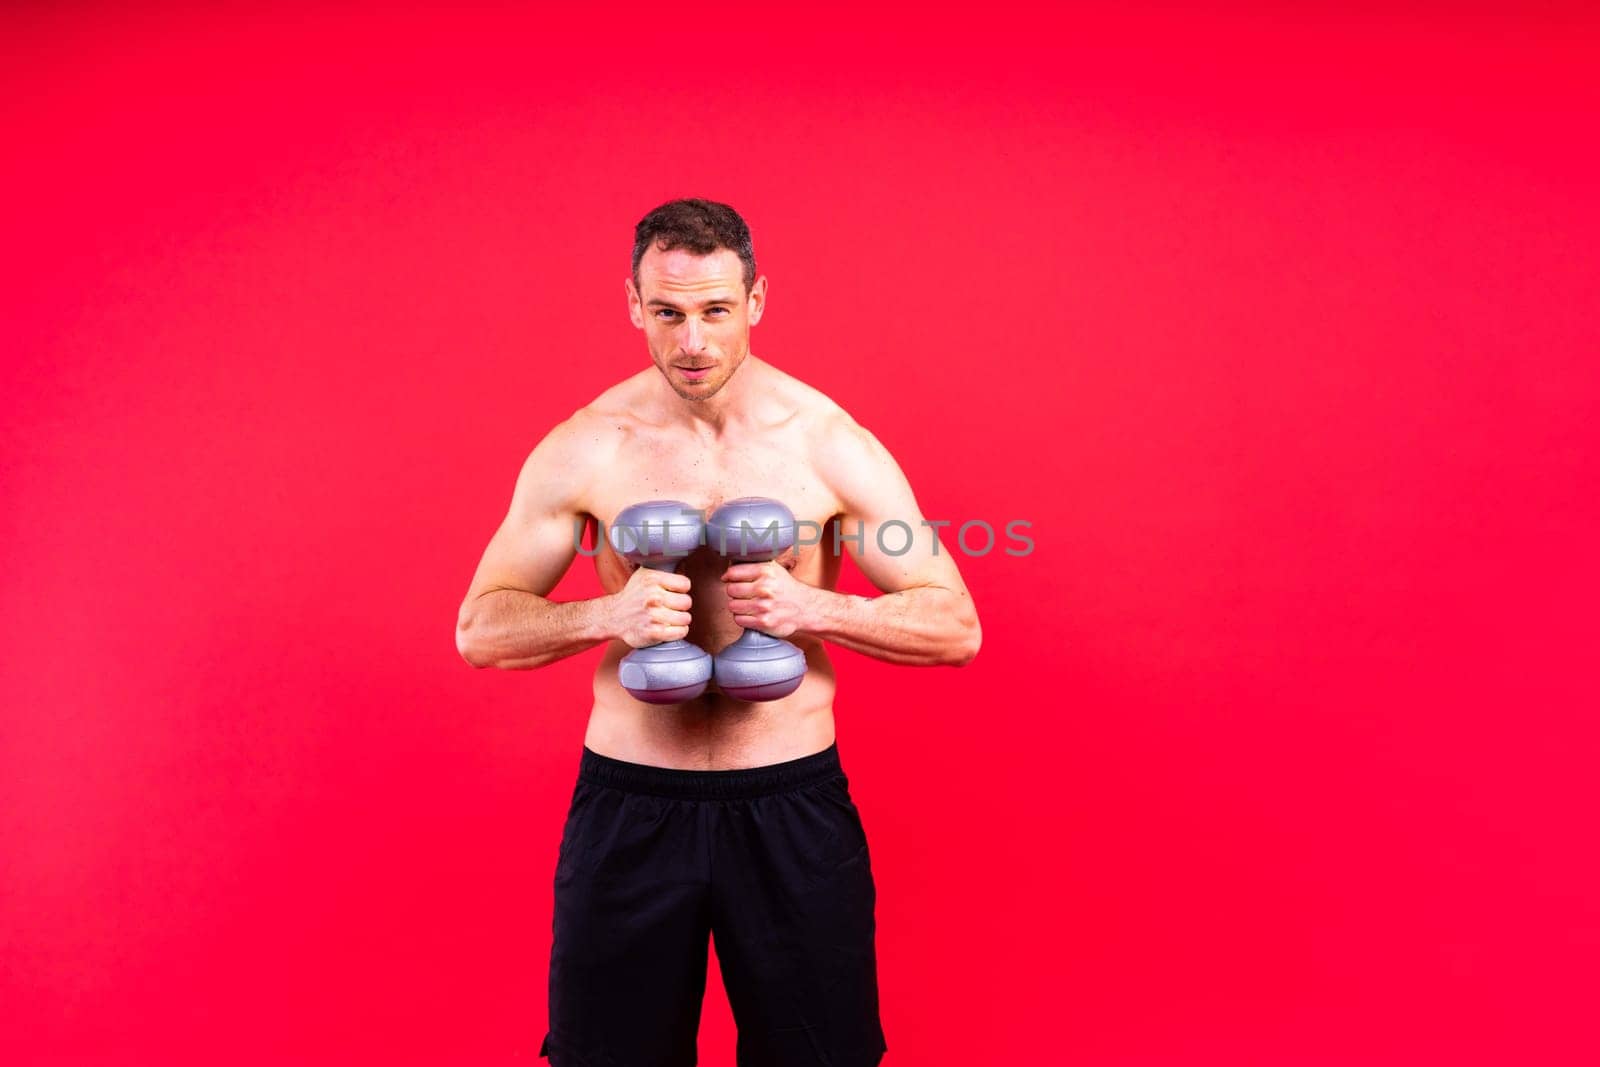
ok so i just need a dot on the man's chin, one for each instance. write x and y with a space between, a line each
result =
696 394
701 390
704 389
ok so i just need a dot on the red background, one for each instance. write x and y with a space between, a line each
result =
1279 326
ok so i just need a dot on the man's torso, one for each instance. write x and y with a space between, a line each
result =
770 456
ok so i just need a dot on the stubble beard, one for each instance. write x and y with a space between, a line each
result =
697 397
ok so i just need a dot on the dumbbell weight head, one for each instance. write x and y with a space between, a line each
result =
658 534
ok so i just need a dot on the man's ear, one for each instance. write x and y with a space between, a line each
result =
635 305
758 299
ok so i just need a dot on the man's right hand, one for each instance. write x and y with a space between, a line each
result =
653 607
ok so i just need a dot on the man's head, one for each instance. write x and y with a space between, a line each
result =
695 294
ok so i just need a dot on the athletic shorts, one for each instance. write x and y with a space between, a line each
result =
770 861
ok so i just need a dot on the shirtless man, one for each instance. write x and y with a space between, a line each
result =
714 815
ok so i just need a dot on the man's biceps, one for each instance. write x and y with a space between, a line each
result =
533 556
901 535
921 566
883 496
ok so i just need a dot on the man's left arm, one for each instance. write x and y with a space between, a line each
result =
925 616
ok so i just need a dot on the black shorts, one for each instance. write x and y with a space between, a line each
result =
771 861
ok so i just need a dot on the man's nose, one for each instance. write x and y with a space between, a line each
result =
694 338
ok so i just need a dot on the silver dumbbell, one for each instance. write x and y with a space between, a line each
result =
658 534
757 666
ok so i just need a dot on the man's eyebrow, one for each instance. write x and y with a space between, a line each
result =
657 301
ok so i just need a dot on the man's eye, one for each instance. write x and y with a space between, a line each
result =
663 313
719 311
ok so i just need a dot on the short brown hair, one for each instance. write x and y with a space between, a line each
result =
698 226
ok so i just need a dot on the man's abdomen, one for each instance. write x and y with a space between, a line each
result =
713 731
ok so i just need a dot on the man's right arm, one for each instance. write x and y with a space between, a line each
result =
506 621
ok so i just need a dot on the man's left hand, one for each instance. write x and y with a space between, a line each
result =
766 597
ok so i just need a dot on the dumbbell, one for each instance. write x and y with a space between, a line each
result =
658 534
757 666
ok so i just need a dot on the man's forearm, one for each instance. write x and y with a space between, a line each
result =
516 630
925 626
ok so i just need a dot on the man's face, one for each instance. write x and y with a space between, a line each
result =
696 317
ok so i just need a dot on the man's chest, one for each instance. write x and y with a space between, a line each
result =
705 477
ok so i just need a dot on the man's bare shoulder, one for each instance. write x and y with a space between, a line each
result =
815 411
606 421
586 441
624 397
842 448
847 455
